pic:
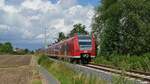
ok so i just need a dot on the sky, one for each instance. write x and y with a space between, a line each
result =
23 22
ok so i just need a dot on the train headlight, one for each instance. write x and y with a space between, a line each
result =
85 55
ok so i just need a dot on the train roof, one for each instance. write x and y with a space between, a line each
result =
62 41
78 35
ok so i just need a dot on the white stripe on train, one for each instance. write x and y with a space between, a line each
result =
70 56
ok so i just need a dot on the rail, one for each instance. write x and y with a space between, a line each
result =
144 76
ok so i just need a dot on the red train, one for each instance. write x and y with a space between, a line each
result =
79 48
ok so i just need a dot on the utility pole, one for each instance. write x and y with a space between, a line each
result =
45 39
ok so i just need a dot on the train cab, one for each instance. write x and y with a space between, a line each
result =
84 48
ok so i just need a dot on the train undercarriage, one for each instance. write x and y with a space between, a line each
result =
83 59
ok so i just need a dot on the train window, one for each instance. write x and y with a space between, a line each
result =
85 42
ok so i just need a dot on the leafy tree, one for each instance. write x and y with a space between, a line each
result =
61 36
6 48
122 26
1 47
78 28
1 44
26 51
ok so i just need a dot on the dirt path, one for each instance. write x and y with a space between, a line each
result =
15 69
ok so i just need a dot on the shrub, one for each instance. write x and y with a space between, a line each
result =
140 63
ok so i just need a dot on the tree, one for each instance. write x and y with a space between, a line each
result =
78 28
6 48
1 47
61 36
122 26
26 51
1 44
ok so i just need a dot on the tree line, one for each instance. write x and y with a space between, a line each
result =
122 27
7 48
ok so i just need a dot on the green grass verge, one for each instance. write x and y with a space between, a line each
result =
66 75
122 80
141 63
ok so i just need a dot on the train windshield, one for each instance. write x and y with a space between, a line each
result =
85 42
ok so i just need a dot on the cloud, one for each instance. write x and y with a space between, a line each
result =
2 3
26 22
4 28
66 3
35 4
14 2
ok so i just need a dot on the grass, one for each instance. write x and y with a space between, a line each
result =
121 80
126 62
66 75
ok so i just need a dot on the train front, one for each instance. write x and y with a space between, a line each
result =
86 47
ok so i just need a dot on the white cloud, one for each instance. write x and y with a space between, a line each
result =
2 3
4 28
40 36
7 8
66 3
32 16
38 5
10 9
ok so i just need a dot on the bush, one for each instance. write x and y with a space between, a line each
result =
6 48
140 63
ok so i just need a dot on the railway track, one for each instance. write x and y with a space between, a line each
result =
137 75
143 76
